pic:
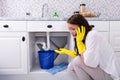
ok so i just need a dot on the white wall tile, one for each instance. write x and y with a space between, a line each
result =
17 8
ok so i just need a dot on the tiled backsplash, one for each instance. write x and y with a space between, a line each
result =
109 9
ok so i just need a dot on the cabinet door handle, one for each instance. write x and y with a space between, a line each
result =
6 26
23 38
49 26
92 25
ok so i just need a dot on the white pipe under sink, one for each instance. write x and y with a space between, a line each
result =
48 41
42 45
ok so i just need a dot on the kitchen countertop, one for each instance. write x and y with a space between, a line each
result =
60 19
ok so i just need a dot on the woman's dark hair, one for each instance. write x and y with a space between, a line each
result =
79 20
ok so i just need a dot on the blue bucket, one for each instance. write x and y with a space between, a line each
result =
46 59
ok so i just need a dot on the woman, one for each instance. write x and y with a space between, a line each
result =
94 58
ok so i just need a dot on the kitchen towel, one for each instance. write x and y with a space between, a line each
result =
57 68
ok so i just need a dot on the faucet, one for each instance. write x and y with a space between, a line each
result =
44 10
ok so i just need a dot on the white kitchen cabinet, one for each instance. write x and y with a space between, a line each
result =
38 31
51 33
13 47
115 35
115 38
102 27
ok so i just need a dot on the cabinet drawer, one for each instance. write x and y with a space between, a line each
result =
100 25
115 25
12 25
47 26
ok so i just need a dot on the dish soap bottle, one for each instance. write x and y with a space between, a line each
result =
55 15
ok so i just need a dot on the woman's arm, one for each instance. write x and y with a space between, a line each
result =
91 54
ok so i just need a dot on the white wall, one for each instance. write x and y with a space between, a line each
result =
109 9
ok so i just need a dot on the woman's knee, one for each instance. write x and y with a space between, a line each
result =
78 61
72 64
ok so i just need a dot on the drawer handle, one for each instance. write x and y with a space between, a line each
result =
92 26
23 38
49 26
6 26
